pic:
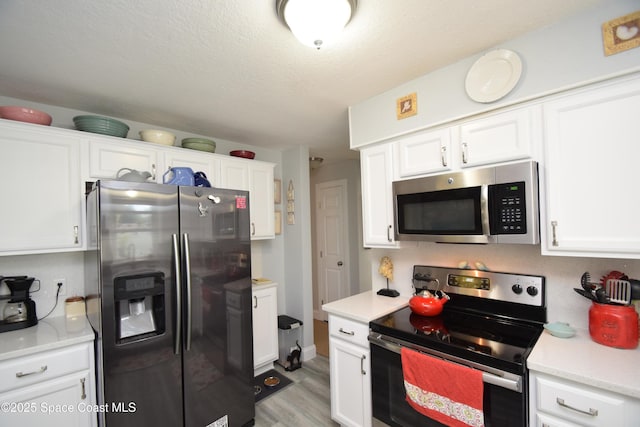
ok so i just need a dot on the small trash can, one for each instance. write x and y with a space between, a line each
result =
289 336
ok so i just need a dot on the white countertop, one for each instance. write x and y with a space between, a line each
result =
48 334
582 360
263 285
366 306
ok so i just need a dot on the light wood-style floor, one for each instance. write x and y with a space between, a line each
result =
306 402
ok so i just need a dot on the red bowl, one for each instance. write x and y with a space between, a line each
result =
23 114
242 153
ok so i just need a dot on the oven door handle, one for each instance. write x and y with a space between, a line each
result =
395 345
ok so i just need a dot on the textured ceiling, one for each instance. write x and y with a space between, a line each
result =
230 69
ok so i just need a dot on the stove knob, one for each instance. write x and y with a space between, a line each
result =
517 289
532 290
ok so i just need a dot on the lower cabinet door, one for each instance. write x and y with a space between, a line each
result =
265 326
63 402
350 384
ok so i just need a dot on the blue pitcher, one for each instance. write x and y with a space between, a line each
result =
179 176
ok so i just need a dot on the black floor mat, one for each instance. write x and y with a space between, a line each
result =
262 390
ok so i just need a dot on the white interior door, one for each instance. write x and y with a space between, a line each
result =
332 234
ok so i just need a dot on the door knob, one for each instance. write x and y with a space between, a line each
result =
340 263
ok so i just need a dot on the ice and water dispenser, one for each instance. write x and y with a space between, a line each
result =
139 305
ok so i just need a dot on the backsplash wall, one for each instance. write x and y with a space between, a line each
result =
562 273
47 269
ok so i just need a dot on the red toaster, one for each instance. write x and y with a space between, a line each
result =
613 325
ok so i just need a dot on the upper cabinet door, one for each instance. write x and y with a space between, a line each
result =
498 138
107 156
424 153
234 173
257 178
261 200
591 154
42 190
376 165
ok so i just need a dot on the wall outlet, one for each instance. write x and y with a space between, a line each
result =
63 288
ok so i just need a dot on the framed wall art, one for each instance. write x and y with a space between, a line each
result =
407 106
277 191
277 222
621 34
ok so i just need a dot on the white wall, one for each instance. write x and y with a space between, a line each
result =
298 294
556 57
48 269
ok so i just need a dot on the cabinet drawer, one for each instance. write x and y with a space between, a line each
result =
35 368
349 330
544 420
580 404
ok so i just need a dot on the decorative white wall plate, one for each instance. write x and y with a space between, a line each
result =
493 75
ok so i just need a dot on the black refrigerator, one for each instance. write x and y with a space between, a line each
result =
168 292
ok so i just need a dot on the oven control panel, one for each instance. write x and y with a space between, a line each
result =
508 287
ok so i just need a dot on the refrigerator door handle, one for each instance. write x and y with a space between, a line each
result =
178 282
187 273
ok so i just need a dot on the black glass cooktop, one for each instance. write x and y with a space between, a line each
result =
494 342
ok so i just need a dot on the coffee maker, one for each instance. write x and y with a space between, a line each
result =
20 311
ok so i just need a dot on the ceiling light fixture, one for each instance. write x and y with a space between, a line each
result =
315 23
315 162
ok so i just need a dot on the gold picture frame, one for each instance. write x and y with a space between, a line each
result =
277 191
277 222
407 106
621 34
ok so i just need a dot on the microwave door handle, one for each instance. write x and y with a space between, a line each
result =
485 210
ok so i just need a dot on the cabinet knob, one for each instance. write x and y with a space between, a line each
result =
340 263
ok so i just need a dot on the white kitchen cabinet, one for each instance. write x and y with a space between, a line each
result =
41 190
350 372
261 200
498 137
107 155
591 154
257 178
423 153
265 326
53 388
557 402
376 168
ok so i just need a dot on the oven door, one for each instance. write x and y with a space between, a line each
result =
505 397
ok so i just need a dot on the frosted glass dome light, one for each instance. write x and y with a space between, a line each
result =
315 23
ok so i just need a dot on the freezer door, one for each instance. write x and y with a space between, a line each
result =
217 344
141 364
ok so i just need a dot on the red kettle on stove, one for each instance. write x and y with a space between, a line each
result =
426 303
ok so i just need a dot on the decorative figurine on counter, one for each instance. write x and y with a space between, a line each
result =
386 270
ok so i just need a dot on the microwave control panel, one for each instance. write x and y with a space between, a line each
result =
508 205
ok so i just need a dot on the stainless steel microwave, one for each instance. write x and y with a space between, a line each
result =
486 205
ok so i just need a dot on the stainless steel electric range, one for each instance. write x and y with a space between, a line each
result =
491 323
